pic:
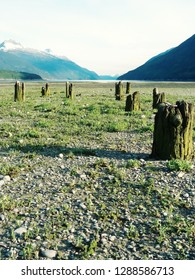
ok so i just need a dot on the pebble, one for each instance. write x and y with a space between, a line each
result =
7 178
20 230
2 217
71 205
2 182
112 238
48 253
180 174
83 206
83 176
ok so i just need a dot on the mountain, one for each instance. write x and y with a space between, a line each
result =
15 57
176 64
7 74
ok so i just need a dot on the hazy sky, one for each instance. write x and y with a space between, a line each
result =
106 36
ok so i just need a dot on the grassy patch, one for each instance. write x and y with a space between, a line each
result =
179 165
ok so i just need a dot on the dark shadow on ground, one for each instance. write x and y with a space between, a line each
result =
55 150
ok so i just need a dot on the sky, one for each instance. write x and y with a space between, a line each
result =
106 36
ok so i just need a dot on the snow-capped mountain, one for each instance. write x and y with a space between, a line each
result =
10 45
15 57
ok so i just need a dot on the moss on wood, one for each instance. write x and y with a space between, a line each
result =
172 137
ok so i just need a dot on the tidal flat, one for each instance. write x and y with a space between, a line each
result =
77 180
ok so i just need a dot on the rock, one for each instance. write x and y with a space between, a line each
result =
20 230
112 238
180 174
2 183
83 206
61 156
186 195
2 217
3 245
7 178
48 253
38 237
83 176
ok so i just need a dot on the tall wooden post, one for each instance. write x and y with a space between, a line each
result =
18 92
71 91
67 89
119 91
23 92
133 102
128 87
43 91
158 98
47 90
172 138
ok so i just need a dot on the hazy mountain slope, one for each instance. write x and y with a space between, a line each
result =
13 56
177 64
7 74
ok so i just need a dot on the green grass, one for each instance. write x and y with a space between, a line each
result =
179 165
61 121
92 123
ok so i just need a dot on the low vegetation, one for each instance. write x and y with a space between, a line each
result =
78 177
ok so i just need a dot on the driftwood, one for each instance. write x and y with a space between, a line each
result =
172 138
133 102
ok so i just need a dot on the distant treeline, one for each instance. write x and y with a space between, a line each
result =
6 74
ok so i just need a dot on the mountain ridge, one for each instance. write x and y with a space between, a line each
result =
15 57
175 64
14 75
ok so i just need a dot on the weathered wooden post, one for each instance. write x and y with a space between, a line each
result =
71 91
43 91
133 102
23 92
67 89
47 90
119 91
158 98
172 138
16 91
18 94
128 87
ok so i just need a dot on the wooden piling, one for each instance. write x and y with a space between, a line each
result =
47 90
119 91
67 89
133 102
172 137
128 87
71 91
158 98
19 92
